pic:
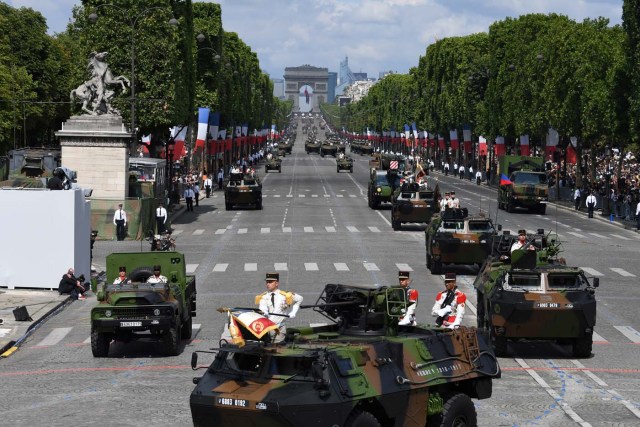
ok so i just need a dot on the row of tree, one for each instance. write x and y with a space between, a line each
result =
525 75
177 68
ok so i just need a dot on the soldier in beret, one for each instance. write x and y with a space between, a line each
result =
278 305
449 306
409 317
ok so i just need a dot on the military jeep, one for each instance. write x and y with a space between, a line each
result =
274 163
414 203
242 190
454 237
139 310
531 294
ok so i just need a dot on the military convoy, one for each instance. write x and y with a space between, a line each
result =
527 186
359 369
243 189
140 310
454 237
532 294
414 203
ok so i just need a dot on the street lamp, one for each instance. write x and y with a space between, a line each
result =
132 20
201 38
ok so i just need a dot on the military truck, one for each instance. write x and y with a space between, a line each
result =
242 189
360 369
454 237
532 294
381 186
344 163
528 186
273 164
140 310
312 146
328 148
414 203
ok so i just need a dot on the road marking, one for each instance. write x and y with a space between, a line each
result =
54 337
626 403
327 195
220 230
191 268
311 266
370 266
314 195
4 332
330 229
630 333
176 232
286 229
352 229
622 272
276 195
597 338
308 229
280 266
620 237
198 232
220 268
341 266
582 236
265 230
339 195
599 236
352 195
374 229
250 266
551 392
590 374
403 267
242 231
302 195
591 271
289 195
383 218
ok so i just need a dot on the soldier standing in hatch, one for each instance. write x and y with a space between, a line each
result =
273 303
444 203
450 305
409 317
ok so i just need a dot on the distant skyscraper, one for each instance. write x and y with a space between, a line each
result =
383 74
331 86
360 76
278 88
346 76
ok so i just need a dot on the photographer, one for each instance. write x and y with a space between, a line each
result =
73 286
449 306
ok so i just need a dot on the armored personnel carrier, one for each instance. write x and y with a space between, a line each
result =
344 163
382 184
285 147
414 203
312 146
328 148
454 237
273 164
242 190
532 294
140 310
360 369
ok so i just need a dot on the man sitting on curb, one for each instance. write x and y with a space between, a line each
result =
73 286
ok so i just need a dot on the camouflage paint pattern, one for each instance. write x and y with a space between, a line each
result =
243 190
140 217
285 147
275 164
328 148
380 188
312 146
530 196
414 205
344 164
327 375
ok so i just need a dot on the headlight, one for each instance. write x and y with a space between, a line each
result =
156 312
379 190
107 313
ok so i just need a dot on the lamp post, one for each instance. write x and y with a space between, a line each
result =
132 20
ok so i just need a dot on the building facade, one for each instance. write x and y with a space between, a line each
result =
278 88
307 87
331 88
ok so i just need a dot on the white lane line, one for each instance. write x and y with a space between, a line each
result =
626 403
327 195
286 229
314 195
599 339
352 229
289 195
339 195
622 272
280 266
353 195
582 236
87 341
220 230
551 392
250 266
600 236
308 229
176 232
311 266
374 229
590 374
403 267
341 266
276 195
302 195
617 236
54 337
383 218
370 266
198 232
630 333
330 229
4 332
242 230
591 271
191 268
265 230
220 268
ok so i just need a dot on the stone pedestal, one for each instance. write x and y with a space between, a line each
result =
96 147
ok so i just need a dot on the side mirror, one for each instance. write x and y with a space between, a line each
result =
596 282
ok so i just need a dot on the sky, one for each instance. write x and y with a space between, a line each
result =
376 35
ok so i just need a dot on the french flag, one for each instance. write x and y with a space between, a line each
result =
203 123
500 149
453 137
466 137
524 145
214 125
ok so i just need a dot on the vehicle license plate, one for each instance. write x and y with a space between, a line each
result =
548 305
227 401
130 324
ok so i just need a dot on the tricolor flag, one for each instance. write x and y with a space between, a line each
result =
524 145
179 134
407 131
203 123
245 129
273 130
214 125
504 180
415 130
453 137
500 149
238 132
482 146
146 143
466 137
255 323
441 141
222 134
552 142
572 153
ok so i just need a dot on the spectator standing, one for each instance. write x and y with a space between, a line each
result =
220 178
207 186
120 221
591 204
576 198
161 218
638 217
196 192
188 197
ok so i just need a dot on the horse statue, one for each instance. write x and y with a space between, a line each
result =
93 91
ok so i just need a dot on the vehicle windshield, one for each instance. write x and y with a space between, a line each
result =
529 178
564 281
267 365
475 226
382 180
526 282
452 225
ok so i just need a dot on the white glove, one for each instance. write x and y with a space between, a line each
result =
292 316
444 311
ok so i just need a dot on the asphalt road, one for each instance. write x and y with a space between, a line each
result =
315 229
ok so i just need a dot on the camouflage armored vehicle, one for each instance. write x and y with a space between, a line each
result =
344 164
533 295
528 186
328 148
285 147
242 190
359 369
273 164
381 186
312 146
414 203
454 237
140 310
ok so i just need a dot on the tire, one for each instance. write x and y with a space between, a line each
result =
259 205
436 267
266 169
499 203
141 274
171 341
480 311
351 169
280 169
100 344
227 206
359 418
499 344
582 346
458 410
429 261
542 209
338 170
509 206
396 225
187 328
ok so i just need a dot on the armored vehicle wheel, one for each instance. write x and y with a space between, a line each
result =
171 341
458 411
266 169
280 169
582 346
436 266
259 205
396 225
351 169
321 154
499 203
227 206
429 261
362 419
542 209
187 329
100 344
510 206
480 310
338 169
499 343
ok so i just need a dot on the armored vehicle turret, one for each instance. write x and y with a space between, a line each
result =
532 294
312 146
359 369
243 189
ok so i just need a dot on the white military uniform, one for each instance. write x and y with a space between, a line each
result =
452 313
455 203
158 279
279 302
